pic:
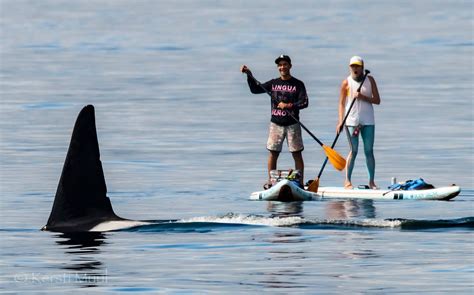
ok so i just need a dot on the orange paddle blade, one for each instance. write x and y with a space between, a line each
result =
334 158
313 186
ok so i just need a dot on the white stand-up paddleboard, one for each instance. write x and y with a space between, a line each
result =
288 191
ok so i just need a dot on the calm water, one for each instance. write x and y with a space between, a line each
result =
183 142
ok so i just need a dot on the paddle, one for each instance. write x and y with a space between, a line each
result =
313 187
334 158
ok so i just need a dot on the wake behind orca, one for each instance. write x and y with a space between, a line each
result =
81 202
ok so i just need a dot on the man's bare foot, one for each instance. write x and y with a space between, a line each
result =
267 184
348 185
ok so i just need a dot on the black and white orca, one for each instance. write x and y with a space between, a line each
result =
81 203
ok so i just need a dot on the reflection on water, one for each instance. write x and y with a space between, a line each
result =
350 209
85 242
359 249
341 209
86 269
287 237
285 209
289 260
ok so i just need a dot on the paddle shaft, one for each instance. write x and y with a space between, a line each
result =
343 122
289 112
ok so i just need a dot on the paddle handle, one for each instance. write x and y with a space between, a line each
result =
289 112
343 122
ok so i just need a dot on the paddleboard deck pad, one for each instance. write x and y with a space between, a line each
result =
288 191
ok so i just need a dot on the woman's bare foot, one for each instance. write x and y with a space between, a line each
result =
372 185
348 185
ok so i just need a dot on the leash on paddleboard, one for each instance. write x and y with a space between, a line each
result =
313 187
334 157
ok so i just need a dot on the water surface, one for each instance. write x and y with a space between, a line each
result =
183 142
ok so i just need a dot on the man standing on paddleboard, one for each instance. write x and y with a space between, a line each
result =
288 94
361 117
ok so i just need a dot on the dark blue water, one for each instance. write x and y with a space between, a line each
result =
183 144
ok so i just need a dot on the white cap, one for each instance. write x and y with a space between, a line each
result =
356 60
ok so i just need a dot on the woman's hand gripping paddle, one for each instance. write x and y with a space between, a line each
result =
314 185
334 157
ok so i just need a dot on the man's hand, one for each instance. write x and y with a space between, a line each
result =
283 105
244 69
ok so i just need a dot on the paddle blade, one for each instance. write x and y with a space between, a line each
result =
334 158
313 186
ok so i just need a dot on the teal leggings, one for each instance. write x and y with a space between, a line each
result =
367 133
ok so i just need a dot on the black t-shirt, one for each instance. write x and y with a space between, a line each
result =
287 91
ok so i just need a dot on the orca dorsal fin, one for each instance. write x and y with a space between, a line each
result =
81 200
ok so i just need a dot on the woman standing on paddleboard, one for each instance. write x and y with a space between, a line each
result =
361 117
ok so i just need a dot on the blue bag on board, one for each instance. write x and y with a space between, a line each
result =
416 184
